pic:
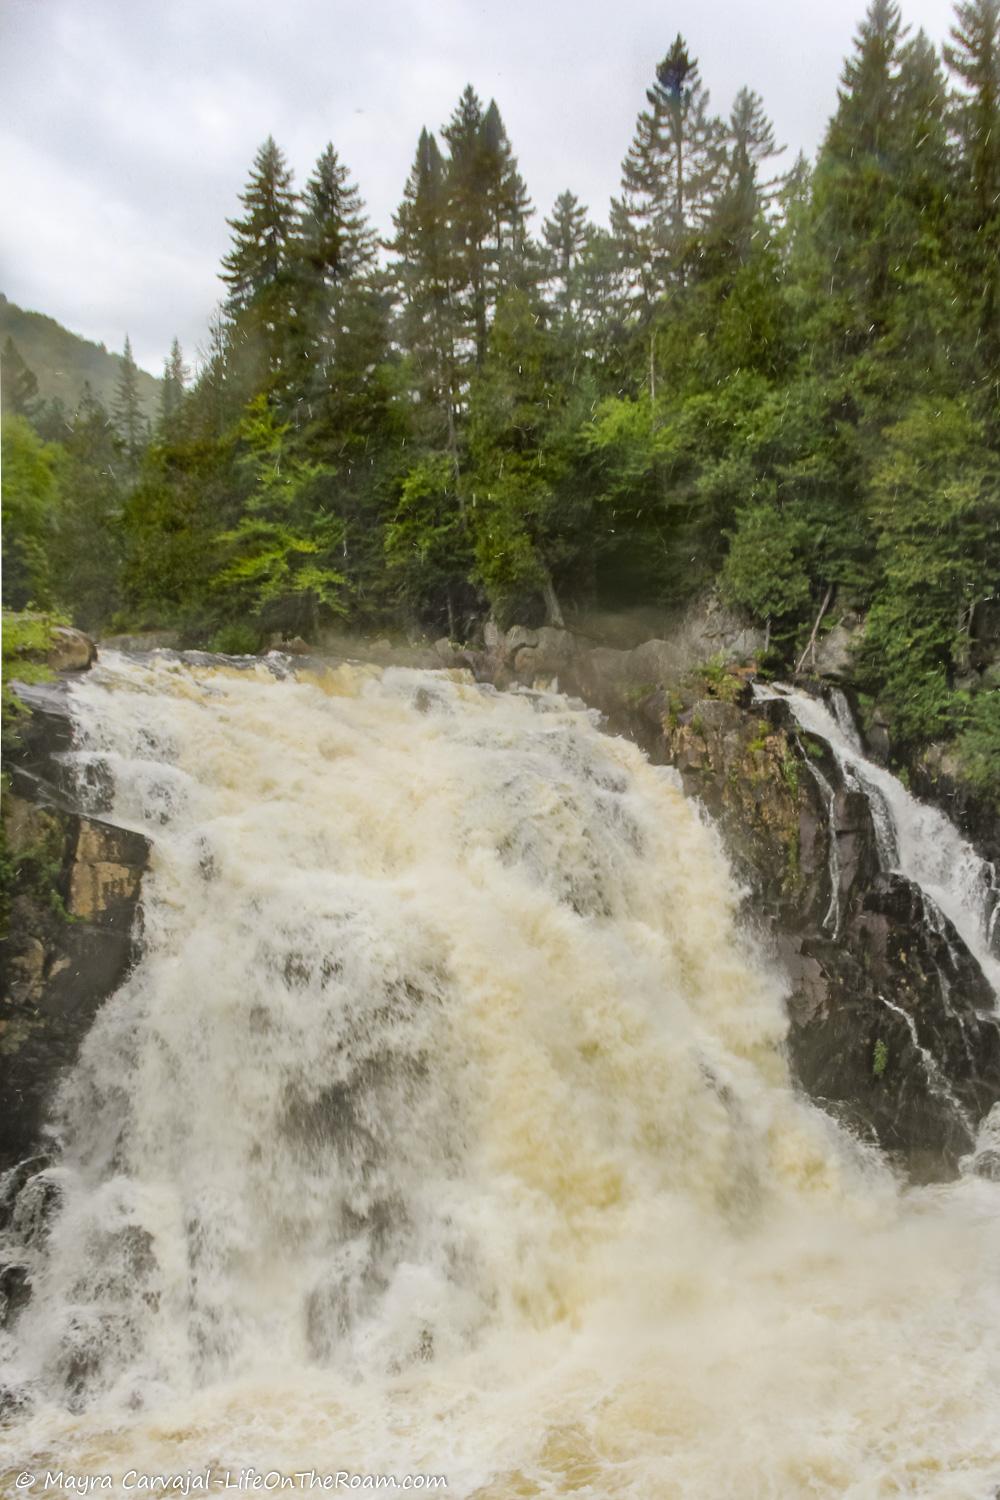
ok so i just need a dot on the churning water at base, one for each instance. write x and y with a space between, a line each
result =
444 1127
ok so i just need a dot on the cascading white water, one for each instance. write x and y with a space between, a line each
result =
914 838
444 1127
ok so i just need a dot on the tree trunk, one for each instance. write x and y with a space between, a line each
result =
811 643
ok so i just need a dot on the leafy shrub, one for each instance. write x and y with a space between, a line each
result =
979 745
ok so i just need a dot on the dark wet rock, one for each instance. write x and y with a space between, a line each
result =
70 937
15 1290
13 1180
987 1164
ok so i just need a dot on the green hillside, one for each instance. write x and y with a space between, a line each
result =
63 361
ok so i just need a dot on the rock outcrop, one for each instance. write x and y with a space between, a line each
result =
70 935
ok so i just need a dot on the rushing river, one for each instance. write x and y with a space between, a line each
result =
444 1128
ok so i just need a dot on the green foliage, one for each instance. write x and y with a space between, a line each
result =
86 547
880 1058
427 544
717 681
790 772
238 639
937 512
31 864
169 529
30 487
26 640
277 560
979 745
765 569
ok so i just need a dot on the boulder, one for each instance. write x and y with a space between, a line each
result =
70 650
834 654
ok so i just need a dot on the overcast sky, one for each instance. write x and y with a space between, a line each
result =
127 127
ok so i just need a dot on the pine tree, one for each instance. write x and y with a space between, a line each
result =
856 183
921 137
521 516
18 384
130 423
565 236
334 254
174 384
86 549
509 206
670 176
974 57
425 270
745 196
258 269
487 208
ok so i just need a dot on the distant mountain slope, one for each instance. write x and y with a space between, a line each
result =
63 362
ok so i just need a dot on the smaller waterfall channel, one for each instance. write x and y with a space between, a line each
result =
914 839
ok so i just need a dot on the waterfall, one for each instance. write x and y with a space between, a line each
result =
913 838
444 1127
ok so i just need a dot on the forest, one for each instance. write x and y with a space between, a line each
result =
774 378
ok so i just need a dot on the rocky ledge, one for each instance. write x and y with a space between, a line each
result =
70 937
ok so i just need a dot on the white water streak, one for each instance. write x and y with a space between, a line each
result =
914 838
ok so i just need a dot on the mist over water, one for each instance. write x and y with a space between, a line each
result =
445 1126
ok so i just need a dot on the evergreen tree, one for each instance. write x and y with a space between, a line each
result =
426 270
935 488
130 423
174 384
30 480
334 254
744 197
335 238
855 186
974 57
87 545
258 270
522 525
217 397
279 559
487 208
509 206
565 236
18 384
670 176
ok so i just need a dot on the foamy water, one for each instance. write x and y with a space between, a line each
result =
444 1128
